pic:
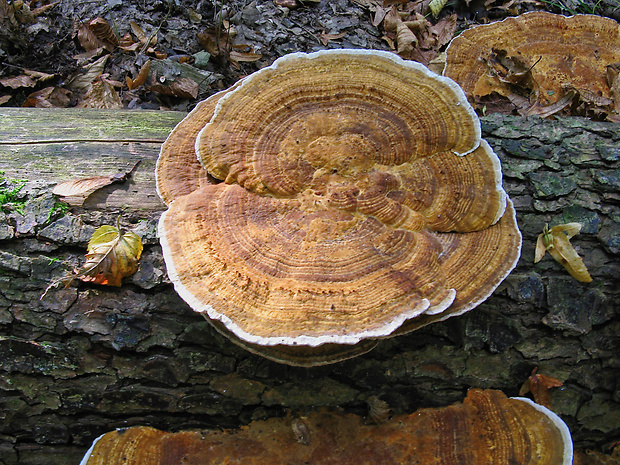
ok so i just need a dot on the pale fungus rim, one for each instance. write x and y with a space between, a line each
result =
568 449
413 65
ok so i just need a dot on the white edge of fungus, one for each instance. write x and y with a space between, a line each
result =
157 164
493 24
559 423
414 65
474 303
312 341
89 452
497 169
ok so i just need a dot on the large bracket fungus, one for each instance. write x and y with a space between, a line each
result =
537 60
358 202
487 428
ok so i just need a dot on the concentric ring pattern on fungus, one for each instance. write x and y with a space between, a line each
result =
355 201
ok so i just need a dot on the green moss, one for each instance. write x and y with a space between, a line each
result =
59 210
9 194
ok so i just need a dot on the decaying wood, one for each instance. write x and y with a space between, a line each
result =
56 145
87 359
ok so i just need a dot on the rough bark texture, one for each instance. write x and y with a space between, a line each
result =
87 359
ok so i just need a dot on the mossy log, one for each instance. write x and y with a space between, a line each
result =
87 359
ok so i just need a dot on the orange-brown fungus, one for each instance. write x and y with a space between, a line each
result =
540 57
486 428
345 211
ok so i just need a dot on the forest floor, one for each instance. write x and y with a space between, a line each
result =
89 53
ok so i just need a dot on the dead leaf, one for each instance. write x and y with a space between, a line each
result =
50 97
138 32
444 31
181 87
112 255
140 79
438 63
87 38
539 386
545 111
237 56
217 41
18 81
556 241
509 69
325 38
28 79
76 191
406 41
613 79
44 8
83 82
4 99
291 4
127 43
142 37
436 6
102 95
103 31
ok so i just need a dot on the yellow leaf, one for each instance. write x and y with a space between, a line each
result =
556 242
436 6
111 256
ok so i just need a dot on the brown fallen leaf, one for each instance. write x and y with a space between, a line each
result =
82 82
217 40
510 69
28 79
50 97
444 31
547 110
140 79
290 4
76 191
112 255
325 38
181 87
556 241
237 57
103 31
406 40
613 79
539 386
4 99
87 38
102 95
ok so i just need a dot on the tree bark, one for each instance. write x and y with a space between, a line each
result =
86 359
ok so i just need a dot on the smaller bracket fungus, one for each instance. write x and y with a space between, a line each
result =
538 59
343 214
487 427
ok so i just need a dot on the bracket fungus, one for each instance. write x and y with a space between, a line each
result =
486 428
538 60
319 217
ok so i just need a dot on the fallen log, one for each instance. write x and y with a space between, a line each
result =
87 359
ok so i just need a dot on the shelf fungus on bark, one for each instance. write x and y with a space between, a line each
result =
540 61
356 201
486 428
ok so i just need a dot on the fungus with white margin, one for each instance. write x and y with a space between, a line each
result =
487 427
346 213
